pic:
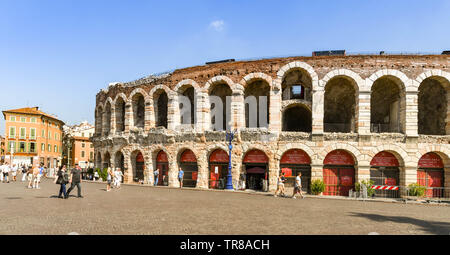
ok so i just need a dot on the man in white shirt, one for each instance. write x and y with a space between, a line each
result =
1 172
298 186
6 171
117 177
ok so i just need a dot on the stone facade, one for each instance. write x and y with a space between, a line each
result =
397 131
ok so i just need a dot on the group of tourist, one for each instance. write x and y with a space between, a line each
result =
114 178
33 175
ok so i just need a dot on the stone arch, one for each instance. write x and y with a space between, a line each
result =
352 150
358 81
255 76
211 148
120 112
280 152
442 151
437 73
106 160
156 149
158 87
218 79
138 171
138 107
297 65
405 81
291 115
179 87
107 117
397 151
160 97
120 95
183 89
140 91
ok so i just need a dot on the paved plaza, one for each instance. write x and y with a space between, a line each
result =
160 210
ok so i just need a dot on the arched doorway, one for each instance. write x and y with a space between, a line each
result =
107 160
160 108
218 168
385 173
257 102
107 119
297 118
338 173
433 106
139 167
294 161
120 114
138 104
340 102
257 171
219 106
188 163
162 164
431 174
98 160
120 162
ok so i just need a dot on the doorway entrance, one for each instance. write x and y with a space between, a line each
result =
256 168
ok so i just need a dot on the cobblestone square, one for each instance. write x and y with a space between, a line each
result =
159 210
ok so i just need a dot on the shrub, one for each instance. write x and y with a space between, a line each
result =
317 186
416 190
102 173
368 184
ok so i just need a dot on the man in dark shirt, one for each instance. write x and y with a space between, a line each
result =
75 180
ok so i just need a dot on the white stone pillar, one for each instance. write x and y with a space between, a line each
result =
148 114
275 110
128 116
364 112
317 111
201 111
238 110
411 114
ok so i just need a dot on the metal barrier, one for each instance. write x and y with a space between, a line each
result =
432 194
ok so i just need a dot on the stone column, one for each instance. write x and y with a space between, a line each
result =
317 111
202 177
147 114
362 173
173 118
173 173
275 110
148 171
274 169
364 112
316 172
128 169
152 115
238 110
128 116
408 176
412 111
112 129
202 111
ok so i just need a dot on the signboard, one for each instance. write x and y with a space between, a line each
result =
162 157
346 181
188 156
339 157
287 171
295 156
431 160
219 156
390 181
255 156
216 169
384 158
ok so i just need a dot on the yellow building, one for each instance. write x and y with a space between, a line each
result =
33 137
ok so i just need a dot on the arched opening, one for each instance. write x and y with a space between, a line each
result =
120 114
294 161
188 163
257 101
433 106
99 121
387 105
138 103
106 160
385 173
340 102
107 119
98 160
218 168
338 173
297 84
138 164
120 163
256 168
218 94
298 118
188 113
162 164
430 174
161 108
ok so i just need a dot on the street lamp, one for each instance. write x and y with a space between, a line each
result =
230 137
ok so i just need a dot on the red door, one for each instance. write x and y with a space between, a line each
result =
214 177
430 179
330 179
346 180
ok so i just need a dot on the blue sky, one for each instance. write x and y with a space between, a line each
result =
58 54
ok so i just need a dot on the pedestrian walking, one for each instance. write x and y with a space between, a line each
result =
156 173
242 178
75 180
1 172
109 179
180 177
62 178
30 177
117 177
280 185
298 186
14 169
38 174
96 176
24 173
6 169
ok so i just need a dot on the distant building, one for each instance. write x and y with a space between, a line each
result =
33 137
2 149
78 146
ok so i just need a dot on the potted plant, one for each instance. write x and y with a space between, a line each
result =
416 190
317 187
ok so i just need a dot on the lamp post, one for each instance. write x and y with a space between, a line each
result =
230 137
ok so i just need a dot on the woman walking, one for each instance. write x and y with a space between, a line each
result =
109 179
62 178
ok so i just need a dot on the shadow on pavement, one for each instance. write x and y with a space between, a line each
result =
13 198
432 227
